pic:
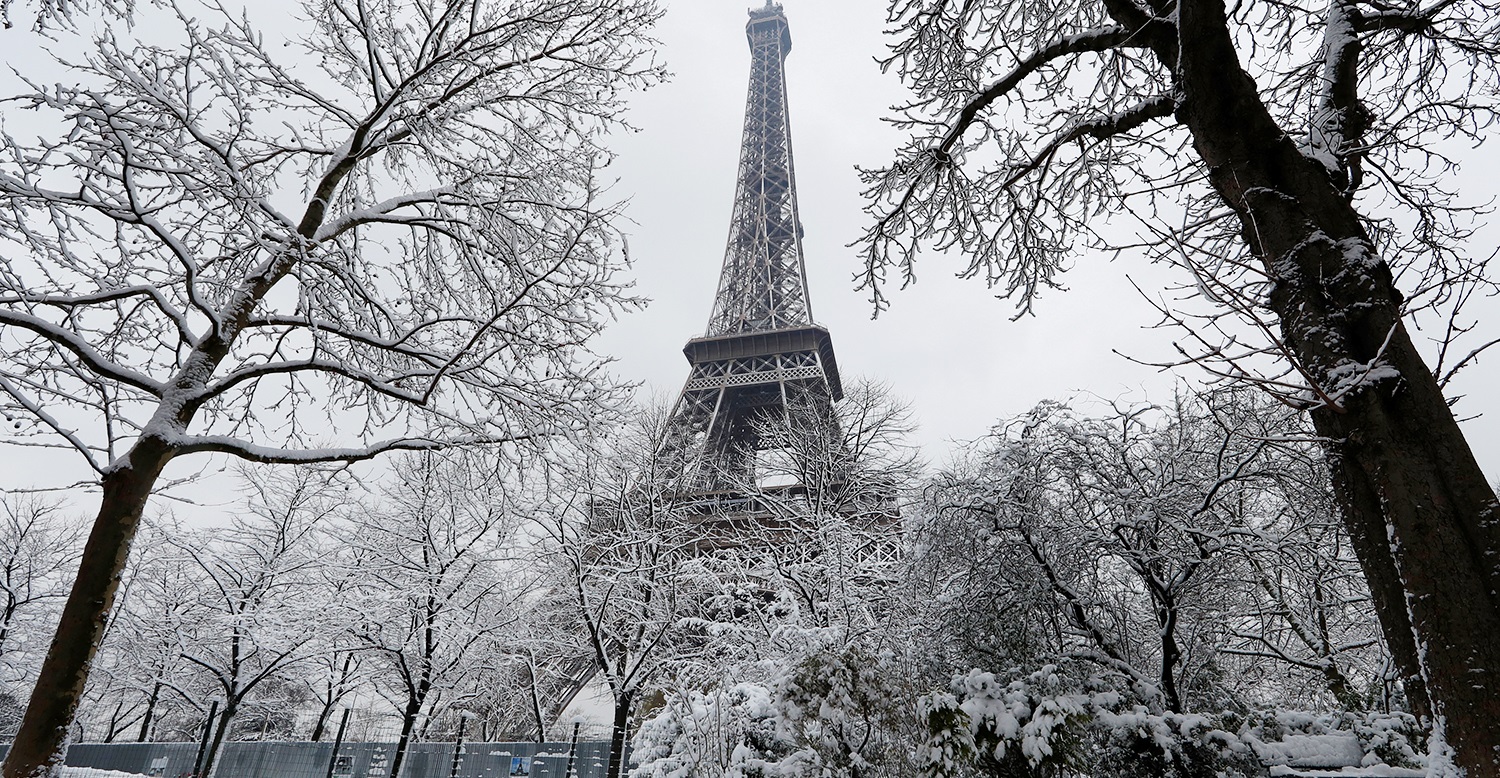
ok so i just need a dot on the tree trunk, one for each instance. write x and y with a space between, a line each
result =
111 729
1171 653
1368 536
320 723
1400 473
150 712
1413 496
536 701
211 757
336 691
617 734
42 739
408 724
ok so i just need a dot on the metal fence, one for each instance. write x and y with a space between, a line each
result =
589 759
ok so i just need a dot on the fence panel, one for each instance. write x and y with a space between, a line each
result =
271 759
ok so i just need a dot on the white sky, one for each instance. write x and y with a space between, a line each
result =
946 345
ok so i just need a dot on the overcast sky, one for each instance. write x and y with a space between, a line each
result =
946 345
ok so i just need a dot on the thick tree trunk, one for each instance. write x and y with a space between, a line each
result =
42 739
1414 498
1429 517
211 757
1369 538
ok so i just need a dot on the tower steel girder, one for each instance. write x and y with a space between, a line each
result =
763 285
762 359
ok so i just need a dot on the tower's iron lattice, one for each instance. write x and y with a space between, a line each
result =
762 366
762 358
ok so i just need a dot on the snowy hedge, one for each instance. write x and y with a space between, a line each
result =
1055 722
845 712
833 712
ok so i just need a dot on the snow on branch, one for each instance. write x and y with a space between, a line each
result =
79 347
1102 128
1090 41
424 246
193 444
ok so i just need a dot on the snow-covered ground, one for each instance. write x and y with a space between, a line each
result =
94 772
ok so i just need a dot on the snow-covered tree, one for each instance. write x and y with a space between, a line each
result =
1150 542
1291 158
802 676
384 233
38 548
1299 611
335 673
140 677
627 577
429 598
829 538
261 602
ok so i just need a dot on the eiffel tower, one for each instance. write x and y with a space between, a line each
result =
763 359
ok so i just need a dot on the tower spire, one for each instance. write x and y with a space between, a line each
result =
763 359
763 285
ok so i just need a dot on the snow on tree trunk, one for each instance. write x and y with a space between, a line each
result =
1401 461
39 744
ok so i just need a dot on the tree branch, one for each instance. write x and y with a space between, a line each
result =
1099 129
1093 40
83 350
277 456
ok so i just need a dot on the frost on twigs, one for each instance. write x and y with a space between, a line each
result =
391 227
50 14
1040 134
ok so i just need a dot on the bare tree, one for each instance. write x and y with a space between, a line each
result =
1291 158
392 229
38 548
140 676
1301 609
339 672
261 603
826 526
1153 540
429 599
627 569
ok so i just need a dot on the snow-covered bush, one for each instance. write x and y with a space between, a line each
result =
1056 721
1027 727
1063 720
733 732
1394 739
850 711
836 711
